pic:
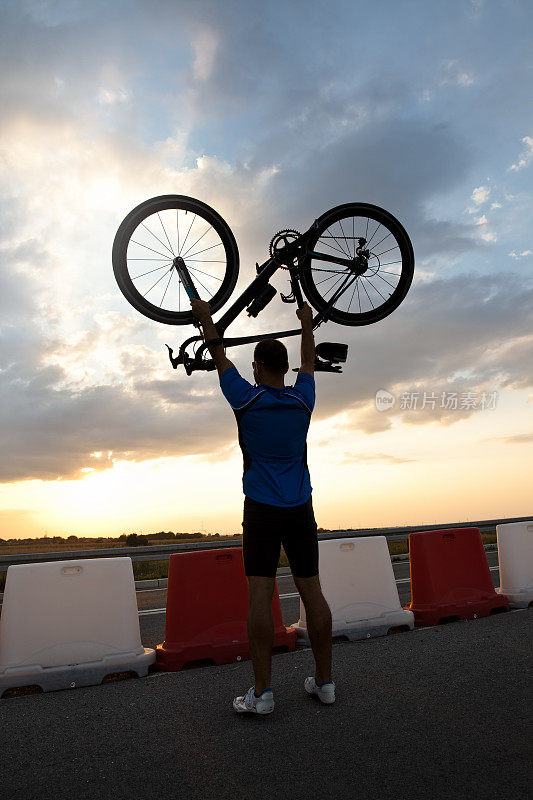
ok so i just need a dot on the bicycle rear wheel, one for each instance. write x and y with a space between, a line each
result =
380 269
152 236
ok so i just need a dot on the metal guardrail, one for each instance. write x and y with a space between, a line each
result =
162 552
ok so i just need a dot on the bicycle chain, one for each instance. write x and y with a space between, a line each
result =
279 236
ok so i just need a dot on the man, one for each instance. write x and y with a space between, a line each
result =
272 422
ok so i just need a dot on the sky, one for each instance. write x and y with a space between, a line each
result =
271 114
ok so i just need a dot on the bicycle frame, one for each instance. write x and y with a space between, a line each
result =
296 250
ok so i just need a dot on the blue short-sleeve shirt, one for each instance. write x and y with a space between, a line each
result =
272 425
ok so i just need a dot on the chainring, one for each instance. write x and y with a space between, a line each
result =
279 241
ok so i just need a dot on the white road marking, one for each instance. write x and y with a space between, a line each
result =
152 611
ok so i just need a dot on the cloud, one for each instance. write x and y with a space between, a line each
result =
91 126
481 194
454 75
517 438
523 254
526 157
205 46
374 458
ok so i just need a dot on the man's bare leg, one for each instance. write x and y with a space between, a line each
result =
260 628
318 615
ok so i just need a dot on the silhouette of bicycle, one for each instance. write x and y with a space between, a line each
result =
354 264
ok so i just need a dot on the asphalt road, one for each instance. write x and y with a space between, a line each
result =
437 712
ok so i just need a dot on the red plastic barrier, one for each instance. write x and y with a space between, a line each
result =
207 607
450 577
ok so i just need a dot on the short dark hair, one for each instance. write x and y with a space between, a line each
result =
272 354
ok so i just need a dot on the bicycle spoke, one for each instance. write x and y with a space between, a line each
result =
340 279
340 248
341 290
152 270
382 240
215 277
385 251
383 279
377 229
149 248
203 251
203 287
376 290
327 244
168 284
333 272
155 284
345 239
178 227
369 300
351 298
164 231
184 255
190 226
358 295
156 237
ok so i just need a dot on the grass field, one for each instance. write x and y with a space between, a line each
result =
146 570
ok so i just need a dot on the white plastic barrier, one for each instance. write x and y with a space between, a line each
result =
70 623
515 557
358 583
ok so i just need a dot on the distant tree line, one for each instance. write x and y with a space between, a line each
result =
131 539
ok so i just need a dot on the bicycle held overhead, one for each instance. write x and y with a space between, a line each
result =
354 265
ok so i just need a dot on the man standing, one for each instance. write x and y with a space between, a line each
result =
272 422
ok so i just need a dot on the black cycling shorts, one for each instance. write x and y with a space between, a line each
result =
265 528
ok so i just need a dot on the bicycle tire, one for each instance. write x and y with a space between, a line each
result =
388 221
122 240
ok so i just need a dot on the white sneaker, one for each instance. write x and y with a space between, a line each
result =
264 704
325 691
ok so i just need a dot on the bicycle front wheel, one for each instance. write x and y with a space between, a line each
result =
377 270
152 236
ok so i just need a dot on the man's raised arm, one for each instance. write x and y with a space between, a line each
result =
305 315
202 312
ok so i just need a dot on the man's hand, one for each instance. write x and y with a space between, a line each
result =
305 314
201 310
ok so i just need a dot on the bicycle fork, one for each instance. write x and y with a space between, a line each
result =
185 277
